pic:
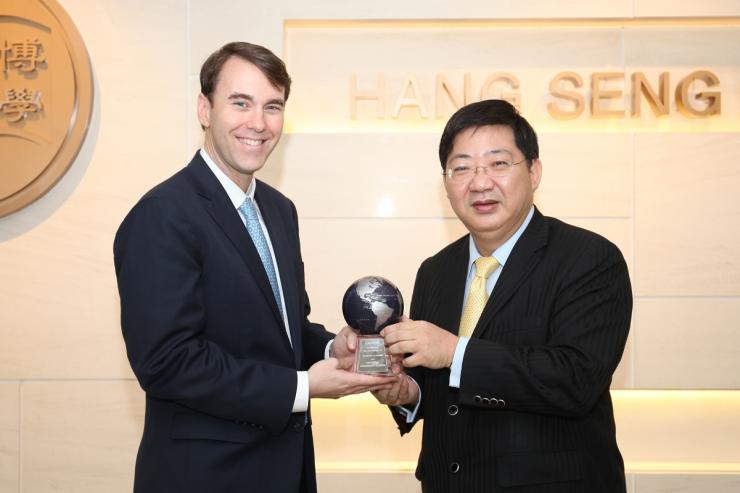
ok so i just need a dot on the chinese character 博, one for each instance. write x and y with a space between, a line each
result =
24 56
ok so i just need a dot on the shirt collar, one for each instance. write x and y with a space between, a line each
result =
501 253
236 195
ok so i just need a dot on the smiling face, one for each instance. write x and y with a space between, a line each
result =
492 209
243 121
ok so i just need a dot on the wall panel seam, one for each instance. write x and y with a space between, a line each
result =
65 380
188 51
20 436
633 354
688 297
446 218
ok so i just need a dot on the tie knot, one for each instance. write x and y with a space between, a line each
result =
485 266
247 208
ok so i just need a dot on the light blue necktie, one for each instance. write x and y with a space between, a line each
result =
260 242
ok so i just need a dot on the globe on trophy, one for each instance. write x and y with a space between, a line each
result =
370 304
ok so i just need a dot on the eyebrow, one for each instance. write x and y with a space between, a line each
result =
462 155
499 151
248 97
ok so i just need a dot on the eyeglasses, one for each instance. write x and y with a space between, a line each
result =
463 173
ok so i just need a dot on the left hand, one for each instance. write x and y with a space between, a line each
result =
430 346
403 392
327 380
343 348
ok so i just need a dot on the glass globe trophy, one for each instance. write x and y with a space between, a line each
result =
370 304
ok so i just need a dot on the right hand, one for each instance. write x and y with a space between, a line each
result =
420 343
403 392
326 379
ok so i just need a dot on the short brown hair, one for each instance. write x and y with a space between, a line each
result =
269 64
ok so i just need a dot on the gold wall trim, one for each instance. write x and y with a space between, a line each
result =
513 23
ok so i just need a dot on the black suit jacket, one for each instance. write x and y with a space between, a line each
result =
533 412
207 342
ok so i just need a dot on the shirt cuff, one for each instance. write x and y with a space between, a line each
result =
327 349
457 361
300 405
408 413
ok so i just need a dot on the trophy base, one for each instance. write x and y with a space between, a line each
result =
371 357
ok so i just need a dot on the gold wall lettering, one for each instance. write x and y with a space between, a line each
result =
576 98
19 103
568 97
23 56
712 98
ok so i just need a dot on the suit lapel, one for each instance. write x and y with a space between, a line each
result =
282 245
218 205
452 285
526 254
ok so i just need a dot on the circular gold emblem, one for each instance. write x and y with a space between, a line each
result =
46 94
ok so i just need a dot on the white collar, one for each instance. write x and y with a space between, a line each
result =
236 194
501 253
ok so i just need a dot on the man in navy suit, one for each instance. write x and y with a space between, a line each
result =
515 397
213 306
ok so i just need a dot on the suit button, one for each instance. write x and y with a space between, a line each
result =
501 403
486 401
297 426
454 467
452 410
477 399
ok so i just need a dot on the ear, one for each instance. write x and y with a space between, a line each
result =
204 111
535 174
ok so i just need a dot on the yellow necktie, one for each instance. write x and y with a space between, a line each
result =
478 296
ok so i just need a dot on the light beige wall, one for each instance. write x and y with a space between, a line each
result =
663 191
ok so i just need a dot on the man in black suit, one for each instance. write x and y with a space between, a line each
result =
213 306
515 329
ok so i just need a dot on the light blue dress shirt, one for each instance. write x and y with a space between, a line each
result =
502 255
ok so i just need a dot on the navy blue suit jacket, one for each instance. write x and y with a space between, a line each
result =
207 343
